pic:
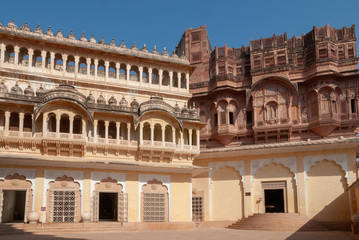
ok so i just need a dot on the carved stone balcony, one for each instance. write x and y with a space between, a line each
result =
225 133
324 124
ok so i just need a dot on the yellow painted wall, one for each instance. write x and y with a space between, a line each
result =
327 199
132 188
271 173
226 195
87 191
200 184
39 191
181 198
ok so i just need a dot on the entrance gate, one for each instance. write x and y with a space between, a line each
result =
275 196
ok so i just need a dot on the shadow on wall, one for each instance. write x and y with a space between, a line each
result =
14 231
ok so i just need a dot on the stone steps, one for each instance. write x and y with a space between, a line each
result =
278 222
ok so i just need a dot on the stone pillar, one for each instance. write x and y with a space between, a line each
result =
52 63
117 71
171 79
44 124
96 66
181 143
190 138
106 131
16 57
198 139
152 135
187 82
88 67
64 62
107 64
21 123
129 133
128 69
58 119
2 56
77 59
95 130
7 122
150 77
174 136
140 69
31 55
83 128
160 73
118 124
141 134
43 60
163 135
71 119
179 81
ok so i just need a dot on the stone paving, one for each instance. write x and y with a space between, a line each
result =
208 234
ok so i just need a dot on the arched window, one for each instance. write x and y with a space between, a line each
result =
134 74
70 64
155 76
112 130
77 125
145 75
9 54
175 79
165 78
101 68
324 103
271 111
37 59
194 137
27 122
65 123
112 70
168 133
51 124
183 81
58 62
146 131
123 132
82 66
23 57
186 136
122 71
101 129
158 132
14 121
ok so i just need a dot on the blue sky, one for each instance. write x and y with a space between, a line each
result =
162 23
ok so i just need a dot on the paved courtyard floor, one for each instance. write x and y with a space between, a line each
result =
207 234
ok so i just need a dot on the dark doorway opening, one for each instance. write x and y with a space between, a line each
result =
13 206
108 206
274 200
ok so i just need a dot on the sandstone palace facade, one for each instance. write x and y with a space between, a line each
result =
91 131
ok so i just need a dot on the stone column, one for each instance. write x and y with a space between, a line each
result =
71 119
31 55
106 131
118 124
160 73
43 60
128 69
171 79
198 139
107 64
129 133
64 61
16 57
2 56
95 130
152 135
44 124
88 67
52 63
83 128
187 82
174 136
163 135
150 77
117 71
96 66
58 119
141 134
140 69
76 71
21 123
181 143
190 138
179 81
7 123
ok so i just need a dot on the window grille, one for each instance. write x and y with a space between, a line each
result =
197 208
154 207
64 206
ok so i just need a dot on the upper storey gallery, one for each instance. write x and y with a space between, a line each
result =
275 89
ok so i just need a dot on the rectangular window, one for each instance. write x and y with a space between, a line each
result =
249 117
154 207
231 118
223 117
353 105
215 119
197 206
